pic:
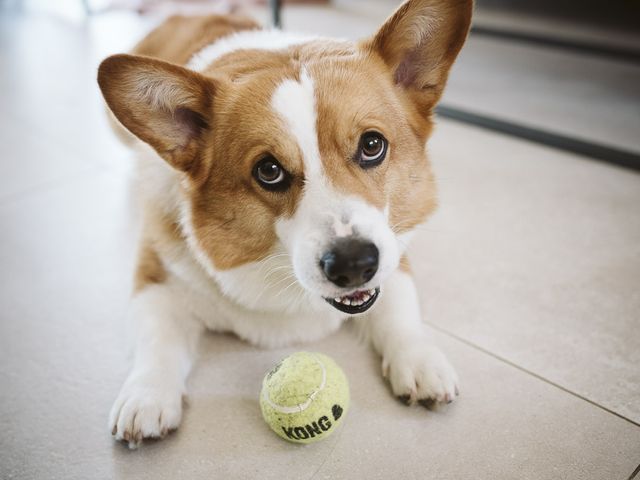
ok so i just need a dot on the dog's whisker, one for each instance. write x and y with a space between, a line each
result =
267 267
277 269
266 262
273 256
278 281
405 222
269 286
287 288
420 226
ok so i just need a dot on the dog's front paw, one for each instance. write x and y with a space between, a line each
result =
145 409
420 373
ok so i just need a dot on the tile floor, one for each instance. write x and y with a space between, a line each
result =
529 275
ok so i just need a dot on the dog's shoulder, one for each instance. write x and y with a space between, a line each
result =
179 37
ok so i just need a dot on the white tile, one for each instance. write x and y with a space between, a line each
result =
52 123
535 255
30 161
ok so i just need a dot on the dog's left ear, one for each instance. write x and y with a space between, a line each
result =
420 42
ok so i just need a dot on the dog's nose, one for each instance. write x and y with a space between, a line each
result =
350 262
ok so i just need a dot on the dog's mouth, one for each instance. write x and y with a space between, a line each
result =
357 302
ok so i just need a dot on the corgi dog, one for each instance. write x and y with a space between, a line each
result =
282 177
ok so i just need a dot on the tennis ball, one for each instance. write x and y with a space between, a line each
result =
304 397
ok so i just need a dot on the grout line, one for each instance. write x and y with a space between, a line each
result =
615 156
335 445
533 374
635 473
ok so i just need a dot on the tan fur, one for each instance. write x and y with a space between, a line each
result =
161 239
378 87
405 265
420 42
150 268
403 181
178 38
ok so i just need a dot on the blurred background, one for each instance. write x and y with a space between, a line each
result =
529 273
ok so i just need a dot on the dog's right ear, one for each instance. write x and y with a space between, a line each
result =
420 42
164 105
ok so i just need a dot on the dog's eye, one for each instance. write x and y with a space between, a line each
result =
372 149
270 174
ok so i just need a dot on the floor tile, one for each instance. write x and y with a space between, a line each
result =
53 121
535 255
30 161
505 425
65 278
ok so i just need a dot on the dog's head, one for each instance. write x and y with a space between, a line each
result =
316 150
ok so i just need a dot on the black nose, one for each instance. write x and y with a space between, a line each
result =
350 262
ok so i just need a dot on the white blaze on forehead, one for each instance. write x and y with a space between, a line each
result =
295 102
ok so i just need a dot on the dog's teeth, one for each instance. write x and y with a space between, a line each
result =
357 299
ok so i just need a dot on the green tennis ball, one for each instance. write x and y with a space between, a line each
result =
304 397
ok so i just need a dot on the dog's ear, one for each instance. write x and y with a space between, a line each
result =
164 105
420 42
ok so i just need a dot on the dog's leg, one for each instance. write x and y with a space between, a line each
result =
416 368
150 402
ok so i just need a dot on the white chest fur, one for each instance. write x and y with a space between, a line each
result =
271 312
